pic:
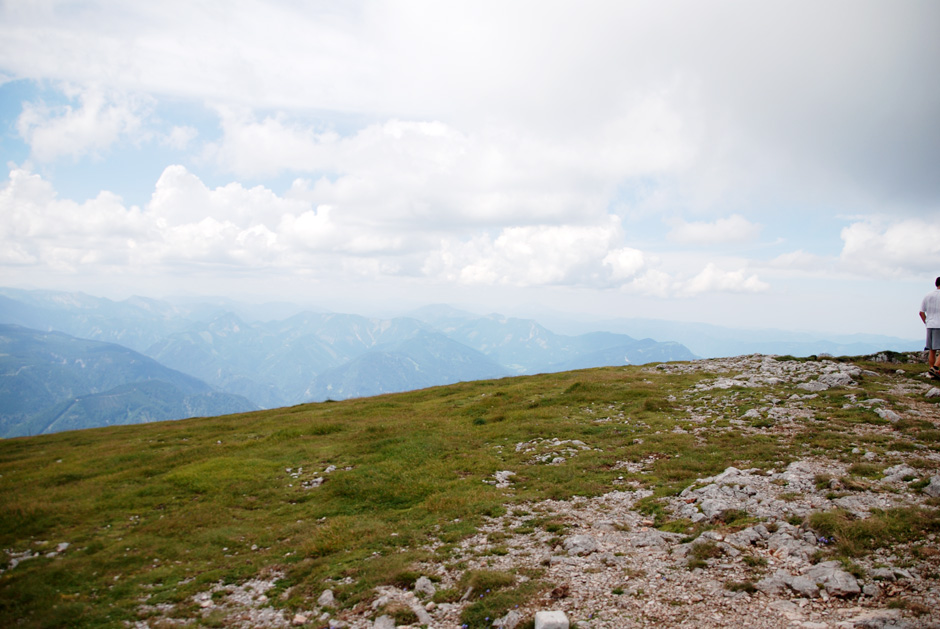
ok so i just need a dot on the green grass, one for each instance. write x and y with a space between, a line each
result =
883 529
165 510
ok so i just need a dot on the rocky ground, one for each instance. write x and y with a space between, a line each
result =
760 566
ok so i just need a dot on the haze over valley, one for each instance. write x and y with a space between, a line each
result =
71 360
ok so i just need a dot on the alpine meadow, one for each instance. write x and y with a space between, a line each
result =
680 494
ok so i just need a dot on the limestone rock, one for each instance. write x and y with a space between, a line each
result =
384 622
804 587
896 473
551 620
834 579
424 586
933 489
839 379
888 414
713 508
876 619
774 584
580 545
509 621
814 386
424 617
326 599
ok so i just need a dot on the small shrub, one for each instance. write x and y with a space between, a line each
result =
736 518
486 580
822 481
701 553
404 579
447 595
866 470
740 586
402 614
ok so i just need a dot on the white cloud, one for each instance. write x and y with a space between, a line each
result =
432 174
185 222
539 255
701 92
100 120
905 247
713 279
733 229
40 229
181 197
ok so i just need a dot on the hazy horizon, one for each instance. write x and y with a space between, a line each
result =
752 165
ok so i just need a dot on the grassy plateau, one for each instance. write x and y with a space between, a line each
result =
348 494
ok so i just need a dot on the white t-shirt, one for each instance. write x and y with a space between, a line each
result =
931 307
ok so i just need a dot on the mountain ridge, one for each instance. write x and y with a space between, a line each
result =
283 362
44 371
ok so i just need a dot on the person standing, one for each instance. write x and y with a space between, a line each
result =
930 315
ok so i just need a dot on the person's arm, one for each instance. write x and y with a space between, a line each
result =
923 317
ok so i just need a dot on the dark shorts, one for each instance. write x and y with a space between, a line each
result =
933 338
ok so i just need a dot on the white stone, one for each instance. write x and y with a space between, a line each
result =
813 386
836 379
384 622
424 586
551 620
888 414
933 489
580 545
509 621
326 599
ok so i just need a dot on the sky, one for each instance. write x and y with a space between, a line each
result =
766 164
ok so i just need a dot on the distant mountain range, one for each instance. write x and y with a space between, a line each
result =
713 341
50 381
225 349
315 356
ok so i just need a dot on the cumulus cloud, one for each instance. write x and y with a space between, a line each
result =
180 197
895 248
40 229
187 224
733 229
539 255
90 124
